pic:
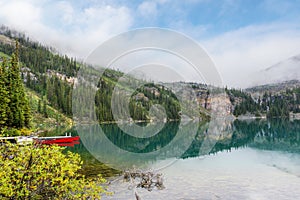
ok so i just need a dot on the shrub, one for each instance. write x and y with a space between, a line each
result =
44 172
10 132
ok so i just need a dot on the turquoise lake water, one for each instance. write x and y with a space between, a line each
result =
217 160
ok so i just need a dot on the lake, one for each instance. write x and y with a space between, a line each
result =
254 159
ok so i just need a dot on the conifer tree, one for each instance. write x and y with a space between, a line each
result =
18 114
40 106
45 112
4 100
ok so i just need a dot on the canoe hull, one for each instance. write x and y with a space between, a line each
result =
58 140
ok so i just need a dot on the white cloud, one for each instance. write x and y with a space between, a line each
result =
241 54
19 13
71 30
148 9
67 11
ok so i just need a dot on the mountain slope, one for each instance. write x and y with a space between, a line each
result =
283 71
52 76
45 119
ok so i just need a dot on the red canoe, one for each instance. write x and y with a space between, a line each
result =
69 144
58 140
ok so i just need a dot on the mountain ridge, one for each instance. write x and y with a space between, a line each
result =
283 71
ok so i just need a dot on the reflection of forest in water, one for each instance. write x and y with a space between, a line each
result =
277 134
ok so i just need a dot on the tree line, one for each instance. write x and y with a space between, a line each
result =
272 105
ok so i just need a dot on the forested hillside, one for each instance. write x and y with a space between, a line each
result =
21 109
140 101
52 75
273 102
42 70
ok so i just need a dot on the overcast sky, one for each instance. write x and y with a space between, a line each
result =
241 36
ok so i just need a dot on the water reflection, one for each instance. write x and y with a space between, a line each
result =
250 160
122 151
140 145
275 135
279 135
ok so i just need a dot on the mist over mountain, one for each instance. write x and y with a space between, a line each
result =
284 71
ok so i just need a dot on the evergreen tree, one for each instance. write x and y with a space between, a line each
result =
28 80
18 112
4 100
40 106
45 109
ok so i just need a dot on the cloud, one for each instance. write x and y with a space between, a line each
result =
72 30
241 54
19 13
148 9
67 11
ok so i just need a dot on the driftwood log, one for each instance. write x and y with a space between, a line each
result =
146 180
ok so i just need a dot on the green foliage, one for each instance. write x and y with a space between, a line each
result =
40 106
277 105
154 94
142 99
54 120
4 100
14 108
45 113
43 65
59 94
31 172
243 102
8 131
